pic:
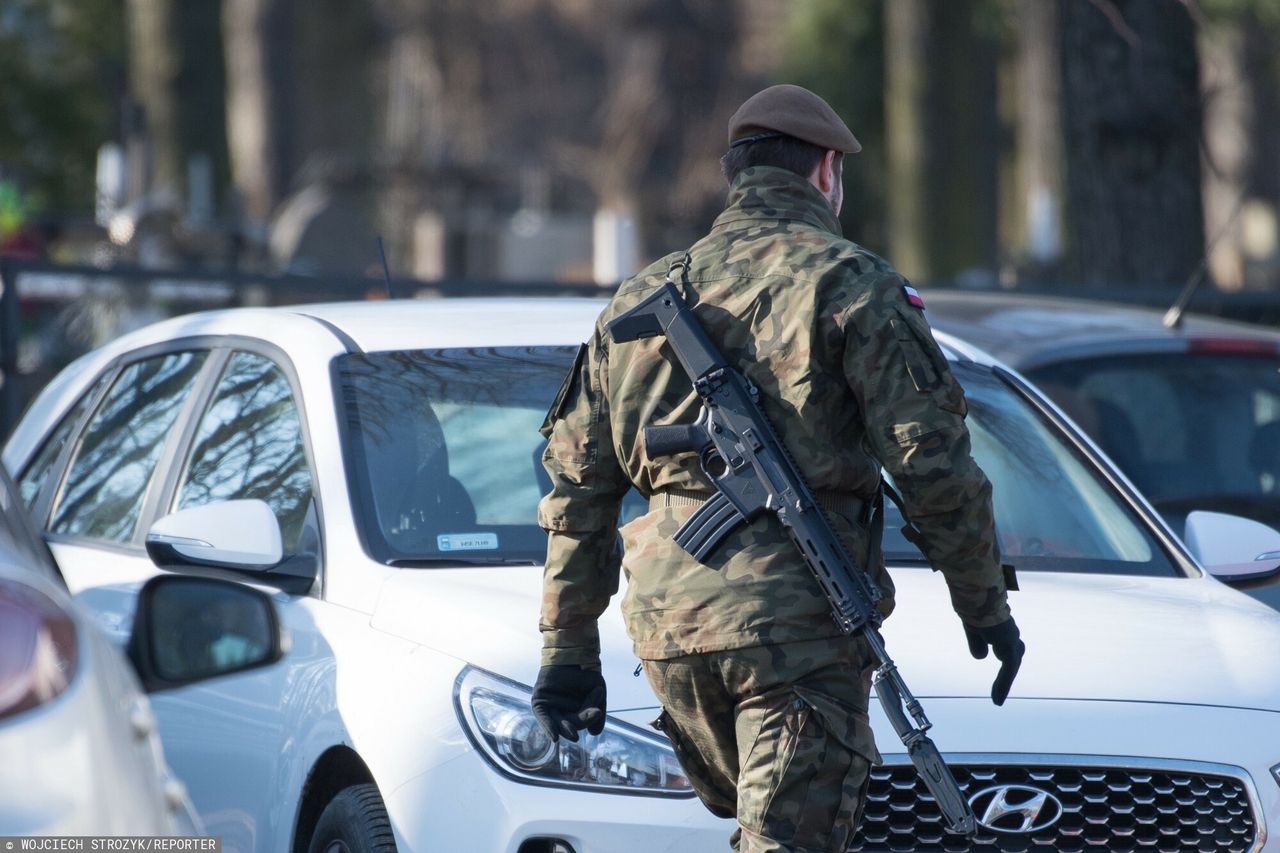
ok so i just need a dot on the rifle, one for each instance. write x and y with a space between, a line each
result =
753 474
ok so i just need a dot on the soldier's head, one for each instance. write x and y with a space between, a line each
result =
791 128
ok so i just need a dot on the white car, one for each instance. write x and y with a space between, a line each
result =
82 755
397 447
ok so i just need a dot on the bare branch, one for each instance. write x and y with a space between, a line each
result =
1196 13
1118 23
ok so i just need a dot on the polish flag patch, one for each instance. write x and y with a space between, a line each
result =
913 296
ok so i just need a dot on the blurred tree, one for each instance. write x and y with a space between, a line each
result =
302 113
257 49
671 83
619 103
1131 119
1240 74
176 79
60 80
836 48
1035 243
332 50
942 136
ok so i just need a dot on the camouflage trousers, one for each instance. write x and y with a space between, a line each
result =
776 736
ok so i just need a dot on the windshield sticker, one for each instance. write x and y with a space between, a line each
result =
467 542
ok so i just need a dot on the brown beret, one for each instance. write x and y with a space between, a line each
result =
787 110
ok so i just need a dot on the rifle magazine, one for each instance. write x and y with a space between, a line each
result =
704 530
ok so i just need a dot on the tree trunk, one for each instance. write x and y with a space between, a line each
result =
942 137
154 64
907 136
1227 148
1131 113
256 49
175 54
1039 131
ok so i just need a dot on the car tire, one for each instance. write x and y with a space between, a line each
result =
355 821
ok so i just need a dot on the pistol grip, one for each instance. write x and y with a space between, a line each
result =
674 438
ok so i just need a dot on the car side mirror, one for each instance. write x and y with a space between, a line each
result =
189 629
1232 548
242 535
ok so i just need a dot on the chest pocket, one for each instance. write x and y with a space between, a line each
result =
926 365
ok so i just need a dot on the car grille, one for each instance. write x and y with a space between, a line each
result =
1117 809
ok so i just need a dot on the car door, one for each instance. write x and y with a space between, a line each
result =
172 430
232 741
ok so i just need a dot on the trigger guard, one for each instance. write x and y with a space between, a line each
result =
713 464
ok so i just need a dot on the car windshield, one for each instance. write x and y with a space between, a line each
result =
1054 508
445 459
1193 431
444 450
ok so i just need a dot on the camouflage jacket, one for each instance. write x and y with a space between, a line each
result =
852 379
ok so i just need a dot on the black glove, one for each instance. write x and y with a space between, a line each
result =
1004 640
567 698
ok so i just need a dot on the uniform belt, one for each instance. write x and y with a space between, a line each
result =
841 503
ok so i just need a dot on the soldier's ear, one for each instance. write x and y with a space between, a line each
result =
826 174
827 178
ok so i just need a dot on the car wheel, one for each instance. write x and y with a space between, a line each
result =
355 821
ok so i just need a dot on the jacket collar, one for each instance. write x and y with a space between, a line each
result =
768 193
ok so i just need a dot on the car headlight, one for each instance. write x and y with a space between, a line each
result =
622 759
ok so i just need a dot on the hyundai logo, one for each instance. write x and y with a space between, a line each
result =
1015 808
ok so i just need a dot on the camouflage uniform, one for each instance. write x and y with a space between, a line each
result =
851 377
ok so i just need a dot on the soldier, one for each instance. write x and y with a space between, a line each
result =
764 700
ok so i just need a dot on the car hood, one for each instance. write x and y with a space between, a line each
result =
488 617
1104 637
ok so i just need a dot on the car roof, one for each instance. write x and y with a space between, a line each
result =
382 326
414 323
1027 331
373 326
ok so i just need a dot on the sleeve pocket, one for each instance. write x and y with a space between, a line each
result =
927 366
924 374
562 396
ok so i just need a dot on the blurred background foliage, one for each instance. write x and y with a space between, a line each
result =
1090 144
61 76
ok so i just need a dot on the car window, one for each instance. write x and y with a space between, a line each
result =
445 450
119 448
1054 509
36 474
1193 431
249 445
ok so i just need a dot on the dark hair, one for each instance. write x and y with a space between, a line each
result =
784 152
